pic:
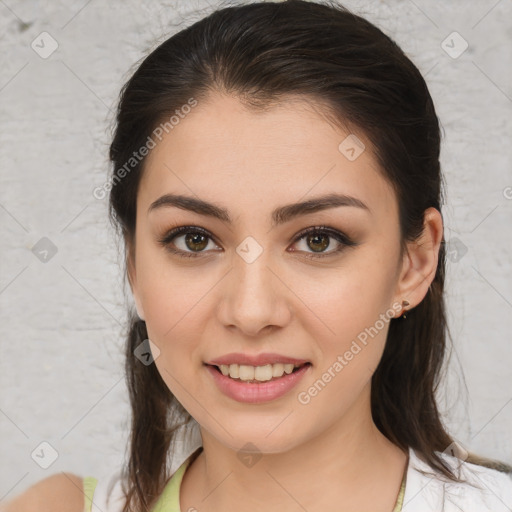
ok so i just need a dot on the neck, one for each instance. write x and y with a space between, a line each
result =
352 464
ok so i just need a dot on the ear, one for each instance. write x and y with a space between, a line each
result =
420 261
132 279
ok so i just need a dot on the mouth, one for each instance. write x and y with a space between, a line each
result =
257 384
257 374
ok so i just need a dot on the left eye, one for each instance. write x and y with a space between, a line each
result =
196 239
318 237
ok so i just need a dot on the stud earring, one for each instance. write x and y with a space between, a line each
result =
404 304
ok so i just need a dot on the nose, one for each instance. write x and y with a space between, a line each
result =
254 298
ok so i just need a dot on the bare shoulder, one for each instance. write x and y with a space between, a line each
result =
61 492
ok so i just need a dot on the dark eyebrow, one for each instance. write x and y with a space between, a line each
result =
280 215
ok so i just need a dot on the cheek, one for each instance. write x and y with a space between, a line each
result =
350 353
175 322
355 312
175 316
178 309
169 293
351 300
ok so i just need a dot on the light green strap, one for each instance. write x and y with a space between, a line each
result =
169 500
400 500
89 485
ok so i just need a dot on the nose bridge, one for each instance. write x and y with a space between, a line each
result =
252 277
253 299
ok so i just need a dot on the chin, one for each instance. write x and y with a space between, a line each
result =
258 440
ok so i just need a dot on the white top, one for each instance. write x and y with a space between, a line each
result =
429 492
432 493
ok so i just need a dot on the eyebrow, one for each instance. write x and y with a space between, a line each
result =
280 215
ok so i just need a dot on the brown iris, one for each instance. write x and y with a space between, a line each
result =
195 238
315 239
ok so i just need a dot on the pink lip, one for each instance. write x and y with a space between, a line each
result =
256 392
259 360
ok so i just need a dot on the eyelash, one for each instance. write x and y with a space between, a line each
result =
343 239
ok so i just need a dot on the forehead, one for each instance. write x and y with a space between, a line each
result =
224 152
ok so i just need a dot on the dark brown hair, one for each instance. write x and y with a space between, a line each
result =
262 53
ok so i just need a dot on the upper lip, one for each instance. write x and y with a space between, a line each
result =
257 360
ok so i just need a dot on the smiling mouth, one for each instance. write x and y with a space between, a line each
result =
258 374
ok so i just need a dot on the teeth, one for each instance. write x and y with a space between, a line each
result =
288 368
277 369
234 371
245 372
263 373
259 373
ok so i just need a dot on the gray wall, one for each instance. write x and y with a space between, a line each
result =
61 346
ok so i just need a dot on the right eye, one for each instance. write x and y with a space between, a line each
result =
194 238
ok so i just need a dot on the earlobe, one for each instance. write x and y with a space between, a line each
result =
138 307
133 287
420 260
138 304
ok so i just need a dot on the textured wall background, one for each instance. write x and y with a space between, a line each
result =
61 379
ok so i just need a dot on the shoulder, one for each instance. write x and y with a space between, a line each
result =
61 492
483 489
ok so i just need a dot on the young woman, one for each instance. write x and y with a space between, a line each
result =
276 182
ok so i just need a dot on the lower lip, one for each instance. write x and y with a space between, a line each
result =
256 392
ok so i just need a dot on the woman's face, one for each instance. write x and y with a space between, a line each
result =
250 285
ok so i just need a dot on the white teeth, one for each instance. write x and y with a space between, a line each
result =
288 368
277 370
246 372
260 373
234 371
263 373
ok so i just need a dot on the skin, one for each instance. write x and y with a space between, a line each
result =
326 455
